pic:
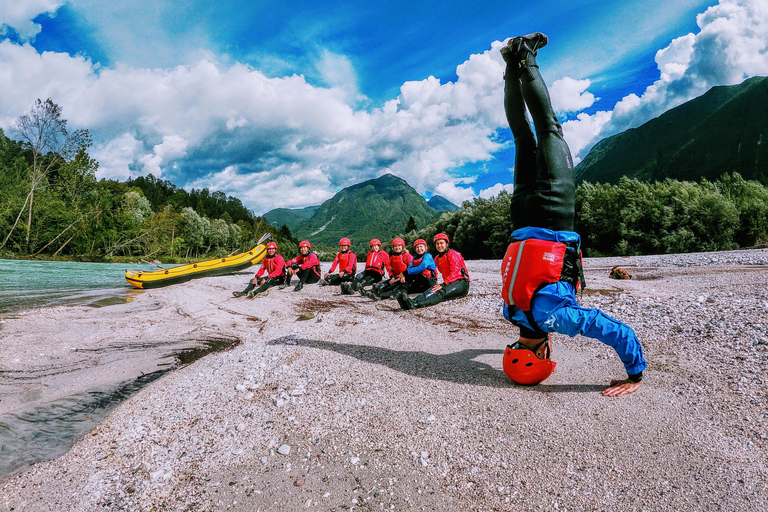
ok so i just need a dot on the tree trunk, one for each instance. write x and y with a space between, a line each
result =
17 221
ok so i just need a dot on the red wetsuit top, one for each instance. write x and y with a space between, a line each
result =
377 261
451 266
305 262
274 266
398 263
347 262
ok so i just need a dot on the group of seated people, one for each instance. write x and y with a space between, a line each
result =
412 279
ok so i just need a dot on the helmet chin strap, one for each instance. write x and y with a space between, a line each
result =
545 342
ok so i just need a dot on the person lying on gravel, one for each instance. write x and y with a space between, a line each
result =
274 266
305 266
450 264
346 260
542 268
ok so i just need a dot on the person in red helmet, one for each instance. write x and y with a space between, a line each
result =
274 266
399 261
455 276
305 266
541 271
376 263
347 263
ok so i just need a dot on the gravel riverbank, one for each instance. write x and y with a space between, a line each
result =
338 403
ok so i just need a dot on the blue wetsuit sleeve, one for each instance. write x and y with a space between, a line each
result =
427 262
593 323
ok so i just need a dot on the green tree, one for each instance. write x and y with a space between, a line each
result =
43 132
410 225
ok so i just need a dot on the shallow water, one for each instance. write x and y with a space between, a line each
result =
28 284
47 431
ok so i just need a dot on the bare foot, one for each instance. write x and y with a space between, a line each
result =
621 387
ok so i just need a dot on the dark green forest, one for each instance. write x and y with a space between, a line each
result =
52 205
630 218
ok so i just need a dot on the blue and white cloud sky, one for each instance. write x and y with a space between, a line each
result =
282 104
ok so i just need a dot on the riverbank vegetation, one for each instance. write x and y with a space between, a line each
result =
630 218
52 205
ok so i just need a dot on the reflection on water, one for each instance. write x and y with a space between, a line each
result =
49 430
29 284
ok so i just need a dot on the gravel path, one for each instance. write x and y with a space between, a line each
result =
337 403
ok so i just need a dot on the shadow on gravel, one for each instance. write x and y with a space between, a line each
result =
457 367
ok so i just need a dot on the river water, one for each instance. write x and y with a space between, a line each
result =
45 429
29 284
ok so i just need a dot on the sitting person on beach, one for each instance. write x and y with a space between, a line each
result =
542 268
305 266
376 262
399 261
455 275
274 265
347 263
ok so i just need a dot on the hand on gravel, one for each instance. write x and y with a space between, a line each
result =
621 387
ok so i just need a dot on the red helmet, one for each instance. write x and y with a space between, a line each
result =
304 243
345 241
398 241
375 241
271 245
419 241
441 236
523 367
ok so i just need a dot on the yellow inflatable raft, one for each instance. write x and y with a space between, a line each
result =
218 267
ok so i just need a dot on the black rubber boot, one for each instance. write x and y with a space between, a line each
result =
346 288
404 301
520 54
248 288
299 287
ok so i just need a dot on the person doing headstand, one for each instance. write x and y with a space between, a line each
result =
542 268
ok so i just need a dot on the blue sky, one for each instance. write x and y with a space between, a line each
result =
284 103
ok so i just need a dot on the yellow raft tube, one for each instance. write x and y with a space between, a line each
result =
163 277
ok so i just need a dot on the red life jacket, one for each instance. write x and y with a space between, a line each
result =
377 261
347 262
398 263
451 266
273 265
305 262
531 264
427 272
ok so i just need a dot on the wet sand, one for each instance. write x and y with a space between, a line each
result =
333 402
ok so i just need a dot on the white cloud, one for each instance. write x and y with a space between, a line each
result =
454 194
116 156
280 141
731 45
495 190
173 147
570 95
18 15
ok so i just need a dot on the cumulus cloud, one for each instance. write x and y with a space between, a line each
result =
281 141
19 15
571 95
495 190
454 193
731 45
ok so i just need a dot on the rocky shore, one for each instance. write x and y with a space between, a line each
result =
338 403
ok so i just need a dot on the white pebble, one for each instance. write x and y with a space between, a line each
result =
284 450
